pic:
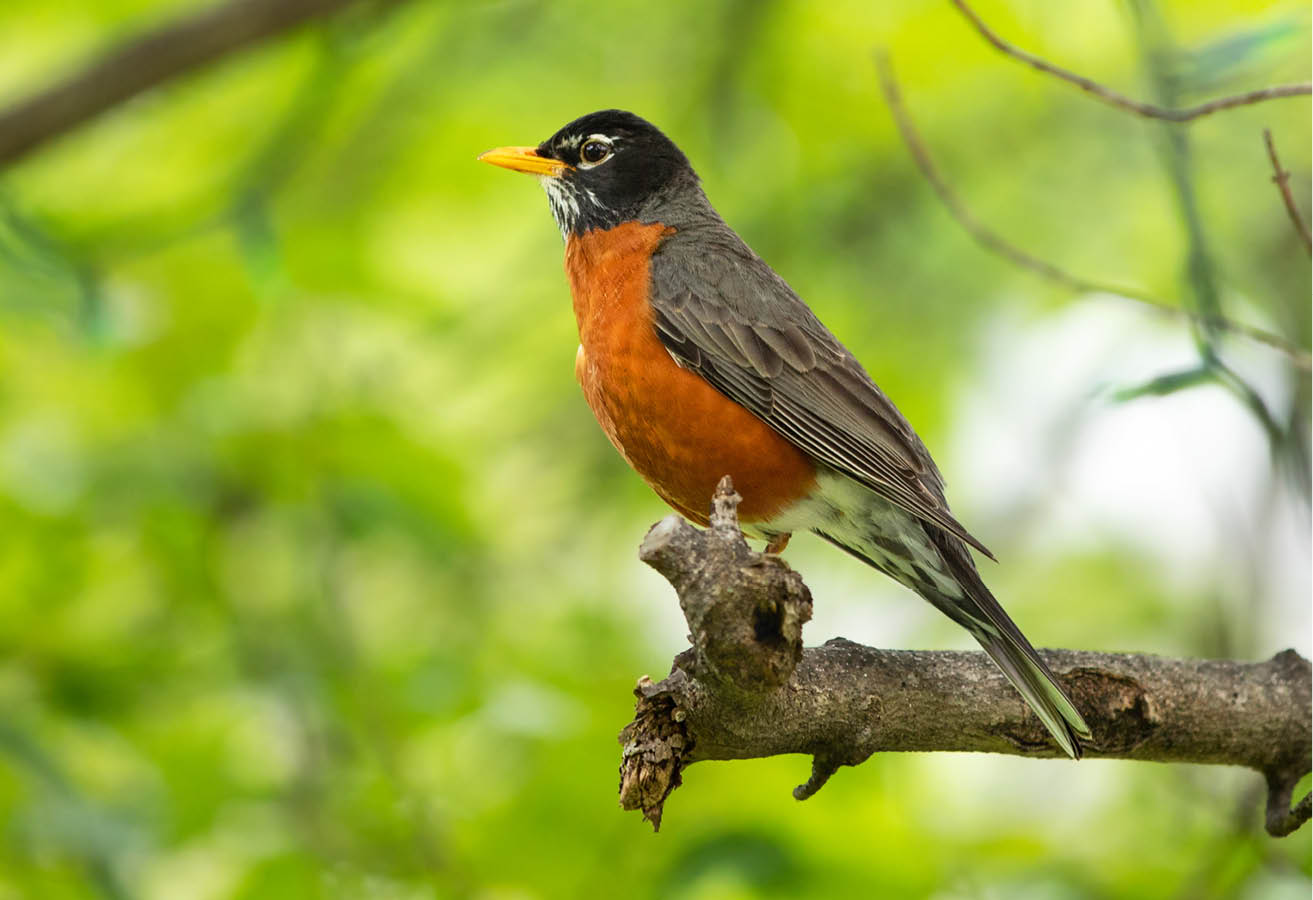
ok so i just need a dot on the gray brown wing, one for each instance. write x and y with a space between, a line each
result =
776 359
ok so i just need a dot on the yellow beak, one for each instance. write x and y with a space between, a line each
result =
524 159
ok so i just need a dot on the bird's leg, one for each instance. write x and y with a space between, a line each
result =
777 544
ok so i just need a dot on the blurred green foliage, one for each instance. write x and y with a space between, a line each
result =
318 580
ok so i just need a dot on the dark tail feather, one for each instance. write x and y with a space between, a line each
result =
1040 689
990 624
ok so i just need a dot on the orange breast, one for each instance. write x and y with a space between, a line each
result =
676 430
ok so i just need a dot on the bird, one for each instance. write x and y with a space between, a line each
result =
699 361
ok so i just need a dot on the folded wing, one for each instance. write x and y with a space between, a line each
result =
778 360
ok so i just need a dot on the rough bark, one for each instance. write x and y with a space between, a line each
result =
748 689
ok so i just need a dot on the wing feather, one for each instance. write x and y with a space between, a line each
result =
727 316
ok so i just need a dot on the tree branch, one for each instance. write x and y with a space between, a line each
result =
996 244
1121 101
1281 178
748 689
148 60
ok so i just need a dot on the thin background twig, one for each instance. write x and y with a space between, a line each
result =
994 243
1108 95
1281 178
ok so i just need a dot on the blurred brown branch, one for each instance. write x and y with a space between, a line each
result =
148 60
994 243
747 689
1108 95
1281 178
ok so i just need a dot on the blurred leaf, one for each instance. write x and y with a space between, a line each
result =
1168 384
1220 64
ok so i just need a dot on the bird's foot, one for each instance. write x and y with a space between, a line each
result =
775 546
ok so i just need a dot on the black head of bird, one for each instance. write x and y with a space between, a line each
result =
602 169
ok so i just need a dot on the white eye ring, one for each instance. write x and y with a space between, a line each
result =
608 147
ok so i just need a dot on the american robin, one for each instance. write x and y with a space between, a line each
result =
699 361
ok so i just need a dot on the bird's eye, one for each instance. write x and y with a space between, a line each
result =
594 150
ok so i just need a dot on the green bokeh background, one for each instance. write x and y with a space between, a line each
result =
317 578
